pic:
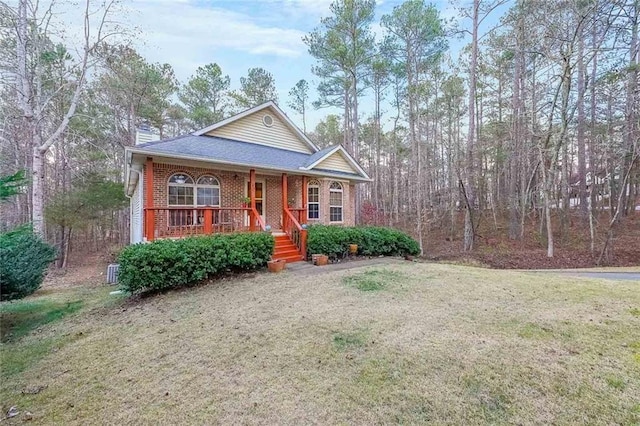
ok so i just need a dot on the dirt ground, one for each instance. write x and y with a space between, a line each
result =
396 342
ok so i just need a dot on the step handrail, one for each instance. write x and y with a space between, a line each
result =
256 217
295 231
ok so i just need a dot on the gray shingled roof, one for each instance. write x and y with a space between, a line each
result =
215 148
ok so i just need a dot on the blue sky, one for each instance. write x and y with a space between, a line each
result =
239 35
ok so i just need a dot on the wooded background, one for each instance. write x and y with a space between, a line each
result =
530 133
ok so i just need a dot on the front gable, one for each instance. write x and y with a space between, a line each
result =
266 125
336 161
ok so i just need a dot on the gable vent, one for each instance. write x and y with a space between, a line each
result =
267 120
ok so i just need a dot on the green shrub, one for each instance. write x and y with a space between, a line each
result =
334 241
165 264
24 257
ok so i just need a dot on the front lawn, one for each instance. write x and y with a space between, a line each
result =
392 343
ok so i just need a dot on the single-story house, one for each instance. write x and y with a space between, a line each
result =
252 172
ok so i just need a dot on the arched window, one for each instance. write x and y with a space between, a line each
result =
208 191
180 193
183 191
313 199
180 190
335 202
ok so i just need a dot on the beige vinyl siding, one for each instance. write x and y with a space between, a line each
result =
252 129
336 161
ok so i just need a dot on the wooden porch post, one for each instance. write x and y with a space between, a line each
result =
149 217
285 201
285 192
303 218
208 221
252 195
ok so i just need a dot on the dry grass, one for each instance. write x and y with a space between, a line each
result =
446 344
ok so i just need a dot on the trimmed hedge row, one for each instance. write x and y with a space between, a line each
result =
334 241
165 264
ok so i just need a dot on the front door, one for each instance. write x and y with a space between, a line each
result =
260 197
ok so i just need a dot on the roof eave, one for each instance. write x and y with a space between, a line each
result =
247 165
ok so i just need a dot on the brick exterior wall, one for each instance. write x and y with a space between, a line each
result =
273 202
232 191
348 203
294 184
351 206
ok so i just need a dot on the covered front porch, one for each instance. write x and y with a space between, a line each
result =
186 200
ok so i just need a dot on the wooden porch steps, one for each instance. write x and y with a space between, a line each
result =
286 250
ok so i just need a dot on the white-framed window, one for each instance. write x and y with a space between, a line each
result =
313 200
180 191
335 202
184 192
208 191
181 188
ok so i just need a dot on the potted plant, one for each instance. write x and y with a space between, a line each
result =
276 265
319 259
246 201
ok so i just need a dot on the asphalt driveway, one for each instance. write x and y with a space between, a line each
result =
604 275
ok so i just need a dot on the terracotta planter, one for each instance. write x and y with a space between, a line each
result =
353 248
276 265
320 259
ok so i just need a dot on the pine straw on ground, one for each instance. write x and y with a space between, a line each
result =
494 249
428 343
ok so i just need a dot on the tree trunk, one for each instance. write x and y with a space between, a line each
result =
67 249
516 135
470 190
37 191
593 189
631 121
547 207
582 161
356 148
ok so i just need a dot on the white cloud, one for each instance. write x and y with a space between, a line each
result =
188 34
214 28
314 7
